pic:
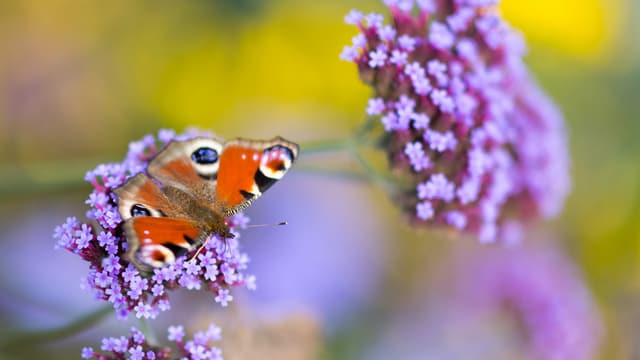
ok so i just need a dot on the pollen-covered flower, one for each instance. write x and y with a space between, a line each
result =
537 286
136 347
218 266
463 119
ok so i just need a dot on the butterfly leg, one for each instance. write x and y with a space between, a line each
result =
192 258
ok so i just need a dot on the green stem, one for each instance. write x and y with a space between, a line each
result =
35 178
381 180
365 129
149 334
325 146
82 323
336 173
359 139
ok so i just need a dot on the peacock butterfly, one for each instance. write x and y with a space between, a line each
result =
188 190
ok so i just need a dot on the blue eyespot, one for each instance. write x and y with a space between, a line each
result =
204 155
139 210
282 149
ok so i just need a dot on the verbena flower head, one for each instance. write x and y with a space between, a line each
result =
463 118
136 346
219 266
542 289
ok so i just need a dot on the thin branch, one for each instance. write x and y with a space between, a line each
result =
383 181
47 177
325 146
149 334
365 129
342 174
82 323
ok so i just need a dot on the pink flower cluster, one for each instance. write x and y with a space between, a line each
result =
482 145
542 289
136 346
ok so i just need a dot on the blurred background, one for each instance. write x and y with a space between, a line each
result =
79 80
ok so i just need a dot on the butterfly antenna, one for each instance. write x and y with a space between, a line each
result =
226 243
265 225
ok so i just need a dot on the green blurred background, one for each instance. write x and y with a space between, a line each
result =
79 80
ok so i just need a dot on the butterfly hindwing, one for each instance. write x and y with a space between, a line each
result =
141 196
155 237
248 168
158 241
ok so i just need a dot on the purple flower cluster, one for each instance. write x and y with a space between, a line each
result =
542 289
111 277
463 118
136 346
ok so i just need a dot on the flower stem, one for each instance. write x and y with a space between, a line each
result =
367 172
366 128
381 180
82 323
361 138
325 146
342 174
34 178
149 334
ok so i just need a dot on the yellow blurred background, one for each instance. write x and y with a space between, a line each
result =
79 80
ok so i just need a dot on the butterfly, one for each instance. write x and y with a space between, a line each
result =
188 190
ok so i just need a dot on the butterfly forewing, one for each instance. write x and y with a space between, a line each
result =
141 196
248 168
154 235
190 165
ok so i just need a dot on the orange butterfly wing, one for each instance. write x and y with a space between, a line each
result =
157 241
248 168
179 165
140 195
155 228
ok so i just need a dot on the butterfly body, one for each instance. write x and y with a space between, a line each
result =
189 189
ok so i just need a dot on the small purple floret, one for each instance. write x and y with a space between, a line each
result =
136 346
